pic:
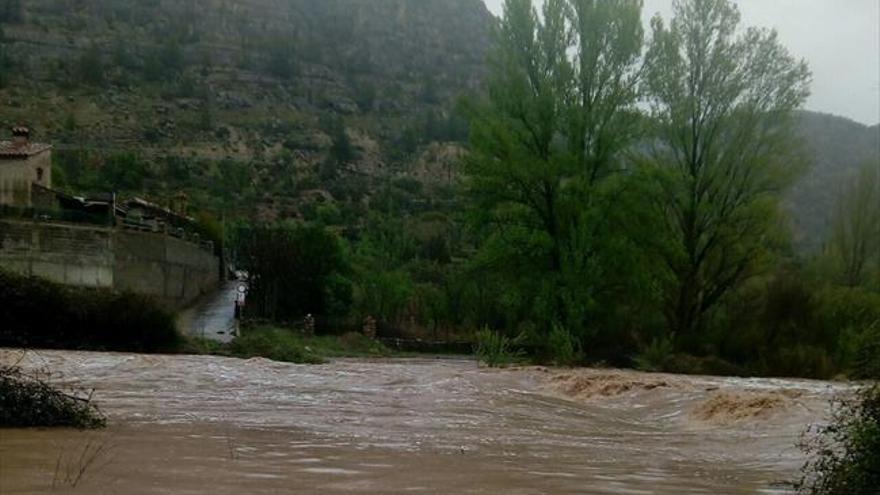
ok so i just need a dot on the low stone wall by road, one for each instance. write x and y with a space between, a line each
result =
172 270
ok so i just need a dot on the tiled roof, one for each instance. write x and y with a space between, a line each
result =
11 149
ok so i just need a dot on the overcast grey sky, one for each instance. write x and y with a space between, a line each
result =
839 38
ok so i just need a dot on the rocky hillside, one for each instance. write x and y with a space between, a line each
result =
279 87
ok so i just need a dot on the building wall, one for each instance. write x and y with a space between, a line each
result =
17 175
67 254
42 161
173 271
15 182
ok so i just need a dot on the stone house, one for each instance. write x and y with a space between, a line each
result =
23 164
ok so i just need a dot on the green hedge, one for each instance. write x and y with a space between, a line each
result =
41 314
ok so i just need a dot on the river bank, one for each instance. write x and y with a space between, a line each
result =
179 424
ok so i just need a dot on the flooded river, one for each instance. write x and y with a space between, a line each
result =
181 425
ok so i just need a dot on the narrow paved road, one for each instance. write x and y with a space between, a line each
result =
213 317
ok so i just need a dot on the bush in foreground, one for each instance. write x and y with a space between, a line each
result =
846 453
28 402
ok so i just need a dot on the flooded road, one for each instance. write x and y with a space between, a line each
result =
213 316
181 424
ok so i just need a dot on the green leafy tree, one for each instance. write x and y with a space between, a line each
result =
385 295
341 151
123 172
560 111
722 101
855 239
294 271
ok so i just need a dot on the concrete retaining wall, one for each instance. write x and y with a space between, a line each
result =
174 271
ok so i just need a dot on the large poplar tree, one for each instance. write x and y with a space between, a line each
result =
722 100
561 107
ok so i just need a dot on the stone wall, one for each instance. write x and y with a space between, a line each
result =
174 271
163 266
17 175
15 182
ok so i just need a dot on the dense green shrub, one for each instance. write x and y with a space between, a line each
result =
657 356
349 344
846 453
26 402
563 346
807 361
705 365
845 307
42 314
495 349
866 360
852 317
294 270
789 325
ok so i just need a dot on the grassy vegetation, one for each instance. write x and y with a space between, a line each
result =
496 350
27 402
289 346
275 344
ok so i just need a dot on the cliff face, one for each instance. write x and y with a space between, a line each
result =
262 82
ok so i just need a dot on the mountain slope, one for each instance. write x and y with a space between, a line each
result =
268 86
836 147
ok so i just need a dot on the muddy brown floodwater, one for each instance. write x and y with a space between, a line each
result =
184 424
